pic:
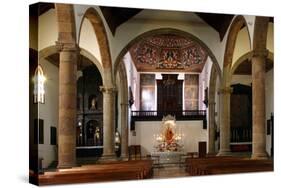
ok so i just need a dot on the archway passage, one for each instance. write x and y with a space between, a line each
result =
89 140
158 60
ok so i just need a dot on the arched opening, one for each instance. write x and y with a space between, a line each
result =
89 141
241 101
238 23
88 94
135 72
92 15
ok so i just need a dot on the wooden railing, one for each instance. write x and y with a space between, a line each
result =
158 115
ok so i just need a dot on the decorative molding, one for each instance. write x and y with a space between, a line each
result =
67 47
108 90
260 53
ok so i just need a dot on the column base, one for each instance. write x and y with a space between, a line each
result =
108 158
66 166
262 155
124 157
224 153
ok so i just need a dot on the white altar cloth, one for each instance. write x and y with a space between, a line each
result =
168 157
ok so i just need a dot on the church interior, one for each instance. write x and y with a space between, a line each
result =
127 93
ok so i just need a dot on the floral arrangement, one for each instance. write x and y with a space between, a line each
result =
169 139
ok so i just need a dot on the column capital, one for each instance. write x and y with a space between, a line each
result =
212 102
260 53
108 90
67 47
225 90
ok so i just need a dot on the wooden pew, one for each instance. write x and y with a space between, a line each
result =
223 165
192 163
145 166
114 171
238 166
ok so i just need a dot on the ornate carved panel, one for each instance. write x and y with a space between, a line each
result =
166 52
191 82
147 92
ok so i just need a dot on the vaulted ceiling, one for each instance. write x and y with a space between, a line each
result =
116 16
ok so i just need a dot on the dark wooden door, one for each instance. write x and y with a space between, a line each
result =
169 93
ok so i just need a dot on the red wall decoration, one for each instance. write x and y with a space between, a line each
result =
166 52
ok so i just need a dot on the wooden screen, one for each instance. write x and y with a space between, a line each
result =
169 93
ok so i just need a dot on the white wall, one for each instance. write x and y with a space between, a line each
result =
133 80
80 10
48 29
88 39
204 79
242 44
49 111
193 131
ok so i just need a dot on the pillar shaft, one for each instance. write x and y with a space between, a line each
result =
67 108
108 121
258 78
225 120
124 131
212 130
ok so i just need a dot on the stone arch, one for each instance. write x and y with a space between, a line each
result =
93 16
215 67
225 89
211 109
248 56
260 33
124 109
166 31
234 29
66 23
50 50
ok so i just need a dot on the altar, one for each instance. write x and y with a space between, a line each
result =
168 144
167 157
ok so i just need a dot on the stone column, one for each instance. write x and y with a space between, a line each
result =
258 90
124 131
212 131
225 121
108 122
67 105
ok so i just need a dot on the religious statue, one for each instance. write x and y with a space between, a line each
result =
169 135
94 103
169 139
97 136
